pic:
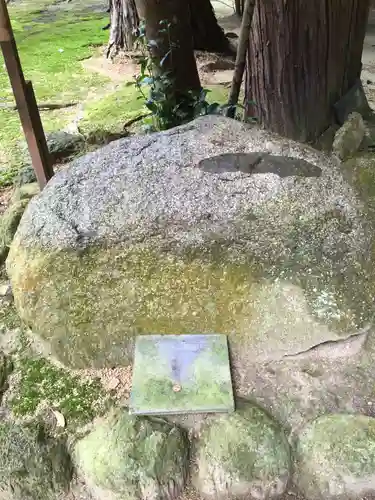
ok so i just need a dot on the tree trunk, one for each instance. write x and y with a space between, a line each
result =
170 40
304 56
238 7
176 41
207 33
124 24
239 67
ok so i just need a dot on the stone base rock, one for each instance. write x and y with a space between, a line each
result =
134 458
349 137
242 455
336 458
210 227
32 466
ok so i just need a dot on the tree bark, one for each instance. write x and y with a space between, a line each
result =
303 57
239 7
123 25
207 34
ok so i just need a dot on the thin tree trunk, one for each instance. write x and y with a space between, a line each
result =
304 56
207 34
238 7
177 40
169 35
239 67
124 23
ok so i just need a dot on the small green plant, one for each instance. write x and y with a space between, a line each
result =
156 87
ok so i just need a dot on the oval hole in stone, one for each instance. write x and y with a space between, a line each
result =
259 163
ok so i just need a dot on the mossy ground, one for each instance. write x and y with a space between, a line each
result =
41 382
37 381
52 44
50 49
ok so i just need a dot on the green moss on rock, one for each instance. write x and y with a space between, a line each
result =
90 305
134 458
8 225
40 381
32 466
241 455
336 457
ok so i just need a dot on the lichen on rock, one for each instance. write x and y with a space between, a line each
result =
335 458
134 458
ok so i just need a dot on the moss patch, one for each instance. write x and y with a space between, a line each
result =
90 305
40 381
113 110
233 442
8 226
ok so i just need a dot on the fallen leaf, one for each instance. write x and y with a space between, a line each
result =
113 383
60 419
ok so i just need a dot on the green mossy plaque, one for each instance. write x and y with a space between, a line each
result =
181 374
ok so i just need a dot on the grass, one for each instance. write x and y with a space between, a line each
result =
52 44
114 109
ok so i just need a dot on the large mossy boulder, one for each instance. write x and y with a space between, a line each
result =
32 465
134 458
213 226
335 458
242 455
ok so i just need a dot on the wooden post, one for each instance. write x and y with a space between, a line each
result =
25 101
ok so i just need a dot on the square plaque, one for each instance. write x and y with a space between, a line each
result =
181 374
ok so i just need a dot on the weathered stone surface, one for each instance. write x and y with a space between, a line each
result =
242 455
355 100
32 466
336 458
62 144
133 458
143 236
349 137
26 175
